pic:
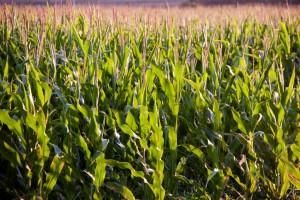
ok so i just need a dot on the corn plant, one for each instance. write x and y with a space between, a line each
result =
100 107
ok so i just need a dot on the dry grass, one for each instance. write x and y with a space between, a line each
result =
125 14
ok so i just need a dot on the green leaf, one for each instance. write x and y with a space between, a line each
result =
51 178
228 88
288 93
85 50
31 121
284 178
280 115
12 125
125 165
296 150
60 95
6 70
285 37
160 74
218 115
211 175
257 108
181 165
130 120
121 189
170 92
81 142
9 153
196 151
293 173
126 129
77 38
236 178
100 171
193 84
237 118
39 93
172 137
42 137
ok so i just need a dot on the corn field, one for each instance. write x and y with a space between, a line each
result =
95 104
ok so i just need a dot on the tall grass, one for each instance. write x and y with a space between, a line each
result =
102 105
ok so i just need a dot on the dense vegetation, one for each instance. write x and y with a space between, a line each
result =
92 107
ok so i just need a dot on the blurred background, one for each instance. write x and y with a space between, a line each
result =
153 2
